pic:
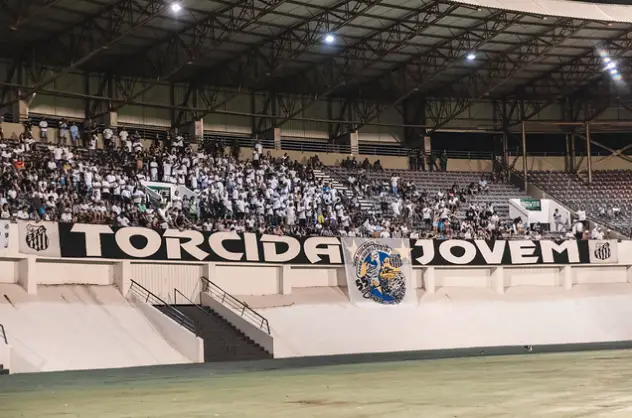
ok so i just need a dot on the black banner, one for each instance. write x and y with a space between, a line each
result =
513 252
102 241
135 243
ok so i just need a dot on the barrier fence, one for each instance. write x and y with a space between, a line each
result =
150 298
235 305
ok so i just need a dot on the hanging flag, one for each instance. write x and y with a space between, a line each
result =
379 271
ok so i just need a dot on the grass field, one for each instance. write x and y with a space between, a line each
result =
597 384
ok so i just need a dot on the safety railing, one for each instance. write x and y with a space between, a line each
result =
150 298
3 335
235 305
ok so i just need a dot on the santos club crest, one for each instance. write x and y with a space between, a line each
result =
379 274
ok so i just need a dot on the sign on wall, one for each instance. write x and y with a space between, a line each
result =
517 252
103 241
50 239
378 271
531 204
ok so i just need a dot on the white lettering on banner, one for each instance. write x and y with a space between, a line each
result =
251 246
520 252
469 251
427 251
175 245
570 247
492 255
331 248
124 236
92 235
216 242
269 248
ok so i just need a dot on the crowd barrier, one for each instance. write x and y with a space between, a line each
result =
47 253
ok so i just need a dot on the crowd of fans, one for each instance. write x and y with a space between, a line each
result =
441 214
220 191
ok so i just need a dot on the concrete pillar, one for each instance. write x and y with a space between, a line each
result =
429 280
354 143
111 119
209 271
566 277
498 279
123 277
427 144
285 280
20 109
27 274
195 129
277 138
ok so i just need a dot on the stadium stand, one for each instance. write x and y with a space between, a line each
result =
607 199
222 192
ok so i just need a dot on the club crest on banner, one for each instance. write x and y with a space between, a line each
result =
36 237
379 275
602 251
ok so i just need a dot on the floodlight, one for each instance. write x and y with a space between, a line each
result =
329 38
611 65
175 7
471 56
613 71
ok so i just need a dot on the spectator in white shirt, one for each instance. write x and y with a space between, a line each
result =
43 125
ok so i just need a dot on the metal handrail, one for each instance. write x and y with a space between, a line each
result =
173 313
176 292
4 334
235 304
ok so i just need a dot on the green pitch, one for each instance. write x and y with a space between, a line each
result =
597 384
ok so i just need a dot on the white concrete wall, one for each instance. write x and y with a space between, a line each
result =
454 318
183 340
161 279
79 327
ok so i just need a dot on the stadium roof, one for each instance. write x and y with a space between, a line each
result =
378 50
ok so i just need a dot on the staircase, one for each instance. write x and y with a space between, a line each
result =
366 204
222 340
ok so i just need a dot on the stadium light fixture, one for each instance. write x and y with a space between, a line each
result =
176 7
611 65
329 38
613 71
471 56
607 60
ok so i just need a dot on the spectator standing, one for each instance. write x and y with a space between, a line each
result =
43 127
62 132
444 160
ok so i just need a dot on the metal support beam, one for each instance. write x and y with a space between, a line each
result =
573 166
86 40
571 78
588 153
484 82
29 10
172 54
525 167
408 77
261 61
